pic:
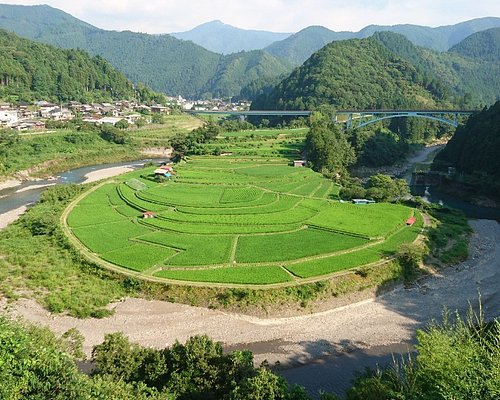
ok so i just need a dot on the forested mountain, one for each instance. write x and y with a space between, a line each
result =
483 45
163 62
356 73
299 47
469 81
30 70
226 39
475 147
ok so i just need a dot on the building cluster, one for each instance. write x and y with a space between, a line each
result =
210 105
26 116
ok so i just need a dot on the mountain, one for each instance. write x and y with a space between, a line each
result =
483 45
33 71
226 39
355 73
164 63
471 81
299 47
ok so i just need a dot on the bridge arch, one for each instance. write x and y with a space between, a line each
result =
352 125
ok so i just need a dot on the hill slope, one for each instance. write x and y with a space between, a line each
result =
483 45
358 73
299 47
163 62
470 80
226 39
475 147
30 70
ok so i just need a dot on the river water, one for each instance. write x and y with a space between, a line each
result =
28 193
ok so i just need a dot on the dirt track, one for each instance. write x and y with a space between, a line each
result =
388 319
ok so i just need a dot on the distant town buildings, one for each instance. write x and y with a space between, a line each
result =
25 116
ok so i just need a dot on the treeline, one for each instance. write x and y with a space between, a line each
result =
192 142
31 71
333 151
474 150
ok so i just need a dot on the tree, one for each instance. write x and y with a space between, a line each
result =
327 147
384 188
122 124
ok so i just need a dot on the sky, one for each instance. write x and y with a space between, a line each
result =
165 16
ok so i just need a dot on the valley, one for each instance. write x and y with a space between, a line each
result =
226 213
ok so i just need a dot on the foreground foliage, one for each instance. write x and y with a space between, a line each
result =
36 365
456 359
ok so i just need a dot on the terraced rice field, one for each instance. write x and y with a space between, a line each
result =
235 220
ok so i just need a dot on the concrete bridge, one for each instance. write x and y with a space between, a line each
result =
354 118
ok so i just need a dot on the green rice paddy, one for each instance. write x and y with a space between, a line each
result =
235 220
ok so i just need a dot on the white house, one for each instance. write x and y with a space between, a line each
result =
8 117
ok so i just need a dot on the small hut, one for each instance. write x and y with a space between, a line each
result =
148 214
411 221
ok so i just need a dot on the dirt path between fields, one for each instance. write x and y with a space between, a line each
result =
389 319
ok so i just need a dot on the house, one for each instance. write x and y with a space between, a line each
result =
8 117
362 201
159 109
30 125
109 120
299 163
148 214
411 221
132 118
60 114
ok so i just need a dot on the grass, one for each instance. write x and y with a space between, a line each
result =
291 246
240 275
238 214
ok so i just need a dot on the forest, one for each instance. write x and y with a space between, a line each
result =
32 71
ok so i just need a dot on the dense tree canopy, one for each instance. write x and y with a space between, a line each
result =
475 147
30 71
360 74
327 147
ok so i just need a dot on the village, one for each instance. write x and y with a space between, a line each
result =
34 116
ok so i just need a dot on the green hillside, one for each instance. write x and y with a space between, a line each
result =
162 62
358 73
30 70
483 45
300 46
475 147
471 79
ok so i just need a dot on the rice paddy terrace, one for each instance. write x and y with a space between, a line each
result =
234 221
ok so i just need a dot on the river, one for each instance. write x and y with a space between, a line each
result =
15 199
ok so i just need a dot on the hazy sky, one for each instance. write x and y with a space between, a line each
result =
163 16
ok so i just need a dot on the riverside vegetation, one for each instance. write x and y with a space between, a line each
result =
457 357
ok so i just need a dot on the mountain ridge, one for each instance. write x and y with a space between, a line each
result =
226 39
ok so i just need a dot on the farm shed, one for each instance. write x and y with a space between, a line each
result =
299 163
362 201
411 221
163 172
148 214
